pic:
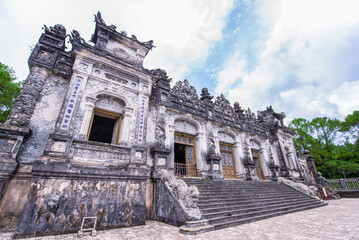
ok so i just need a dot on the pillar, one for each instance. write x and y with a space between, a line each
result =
25 103
90 105
239 167
125 124
170 139
200 160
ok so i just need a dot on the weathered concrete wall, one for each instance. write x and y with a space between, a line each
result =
55 206
14 198
166 207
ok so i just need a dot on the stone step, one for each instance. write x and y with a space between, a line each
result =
226 189
240 189
237 216
234 185
232 202
243 197
236 222
243 193
241 205
249 210
215 204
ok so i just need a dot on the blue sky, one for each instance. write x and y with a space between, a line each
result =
241 33
300 56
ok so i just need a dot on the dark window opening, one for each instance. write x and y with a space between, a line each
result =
102 129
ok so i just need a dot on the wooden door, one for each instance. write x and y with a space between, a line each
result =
227 160
258 165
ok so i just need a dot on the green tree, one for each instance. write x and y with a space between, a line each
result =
303 138
326 130
351 125
8 90
346 160
318 137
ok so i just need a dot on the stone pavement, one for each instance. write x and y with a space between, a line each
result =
337 221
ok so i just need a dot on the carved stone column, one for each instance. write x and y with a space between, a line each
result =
200 145
239 167
25 103
216 143
290 160
264 163
90 105
13 131
171 129
125 127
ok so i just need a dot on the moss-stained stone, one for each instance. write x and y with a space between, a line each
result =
12 203
58 206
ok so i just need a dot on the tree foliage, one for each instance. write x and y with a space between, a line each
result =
351 125
8 90
319 137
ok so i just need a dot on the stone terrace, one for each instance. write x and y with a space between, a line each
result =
337 221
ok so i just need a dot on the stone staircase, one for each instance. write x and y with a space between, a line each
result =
233 202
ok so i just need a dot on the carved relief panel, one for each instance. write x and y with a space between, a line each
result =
43 120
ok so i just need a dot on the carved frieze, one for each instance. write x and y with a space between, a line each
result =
109 103
58 146
185 127
115 78
89 151
6 145
225 137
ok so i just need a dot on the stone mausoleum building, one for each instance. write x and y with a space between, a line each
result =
94 133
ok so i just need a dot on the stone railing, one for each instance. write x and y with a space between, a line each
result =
308 190
186 196
344 184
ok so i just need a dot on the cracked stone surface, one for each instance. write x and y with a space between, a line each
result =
337 221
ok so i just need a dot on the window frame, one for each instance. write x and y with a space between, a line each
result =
111 115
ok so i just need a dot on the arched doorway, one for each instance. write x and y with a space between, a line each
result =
184 155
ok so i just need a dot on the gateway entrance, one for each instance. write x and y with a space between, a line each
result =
227 160
185 162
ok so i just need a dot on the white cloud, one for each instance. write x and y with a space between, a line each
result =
183 31
346 97
234 68
310 52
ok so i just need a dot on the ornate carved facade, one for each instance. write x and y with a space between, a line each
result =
92 129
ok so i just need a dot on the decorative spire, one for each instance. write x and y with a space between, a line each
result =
205 96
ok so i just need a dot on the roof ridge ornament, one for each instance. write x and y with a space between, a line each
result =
206 96
76 38
185 90
222 104
98 18
112 28
57 30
